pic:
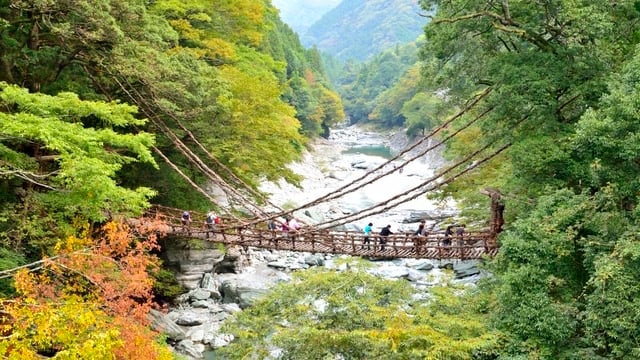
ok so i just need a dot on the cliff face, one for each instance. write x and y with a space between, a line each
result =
190 259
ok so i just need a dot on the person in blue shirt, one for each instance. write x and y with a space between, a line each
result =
367 232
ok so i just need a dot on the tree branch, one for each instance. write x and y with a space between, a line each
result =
27 176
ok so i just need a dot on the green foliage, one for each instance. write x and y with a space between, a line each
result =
568 105
8 260
378 89
81 177
326 314
421 113
165 286
360 29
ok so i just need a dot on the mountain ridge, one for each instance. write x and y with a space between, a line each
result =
359 29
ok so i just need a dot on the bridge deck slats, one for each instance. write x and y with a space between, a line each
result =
473 245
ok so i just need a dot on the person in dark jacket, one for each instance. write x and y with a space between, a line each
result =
418 237
384 233
447 235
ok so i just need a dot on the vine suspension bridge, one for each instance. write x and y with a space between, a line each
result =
321 237
431 245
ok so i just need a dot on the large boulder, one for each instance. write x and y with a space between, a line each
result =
234 261
245 288
190 258
163 324
245 291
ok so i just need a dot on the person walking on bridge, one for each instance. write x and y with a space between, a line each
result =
294 227
418 237
210 222
447 235
384 234
186 220
367 232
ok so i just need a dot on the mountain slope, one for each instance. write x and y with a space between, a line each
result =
301 14
358 29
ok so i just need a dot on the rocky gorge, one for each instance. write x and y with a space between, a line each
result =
223 281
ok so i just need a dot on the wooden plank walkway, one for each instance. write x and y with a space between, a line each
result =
472 245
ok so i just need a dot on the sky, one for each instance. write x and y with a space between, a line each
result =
300 14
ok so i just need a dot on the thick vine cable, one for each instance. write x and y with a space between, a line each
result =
154 117
217 162
350 217
347 188
165 158
344 190
335 194
186 151
193 184
392 203
433 178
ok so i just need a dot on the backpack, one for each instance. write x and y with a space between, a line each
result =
216 219
185 215
210 218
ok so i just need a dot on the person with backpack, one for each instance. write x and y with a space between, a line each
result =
384 234
210 222
186 220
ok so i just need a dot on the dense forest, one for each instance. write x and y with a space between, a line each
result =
360 29
102 102
98 100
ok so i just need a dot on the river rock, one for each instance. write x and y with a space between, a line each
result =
191 349
465 269
189 319
163 324
221 340
233 261
243 291
199 294
422 265
390 271
230 308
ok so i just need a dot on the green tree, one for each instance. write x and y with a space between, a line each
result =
69 152
563 100
376 91
323 314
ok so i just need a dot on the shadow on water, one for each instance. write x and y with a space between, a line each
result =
371 150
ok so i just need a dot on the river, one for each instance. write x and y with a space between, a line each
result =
332 163
348 154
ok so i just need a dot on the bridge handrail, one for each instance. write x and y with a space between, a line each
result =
434 244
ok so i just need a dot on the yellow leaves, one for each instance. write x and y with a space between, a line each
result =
67 327
90 303
186 30
217 48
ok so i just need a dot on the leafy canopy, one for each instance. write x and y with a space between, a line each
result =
326 314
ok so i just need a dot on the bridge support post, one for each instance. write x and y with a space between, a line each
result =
497 211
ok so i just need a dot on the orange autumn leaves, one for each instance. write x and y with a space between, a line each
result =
90 300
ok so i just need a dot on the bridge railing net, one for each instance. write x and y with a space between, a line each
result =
433 245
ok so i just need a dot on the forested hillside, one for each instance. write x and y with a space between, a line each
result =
301 14
536 102
100 103
360 29
381 86
554 84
